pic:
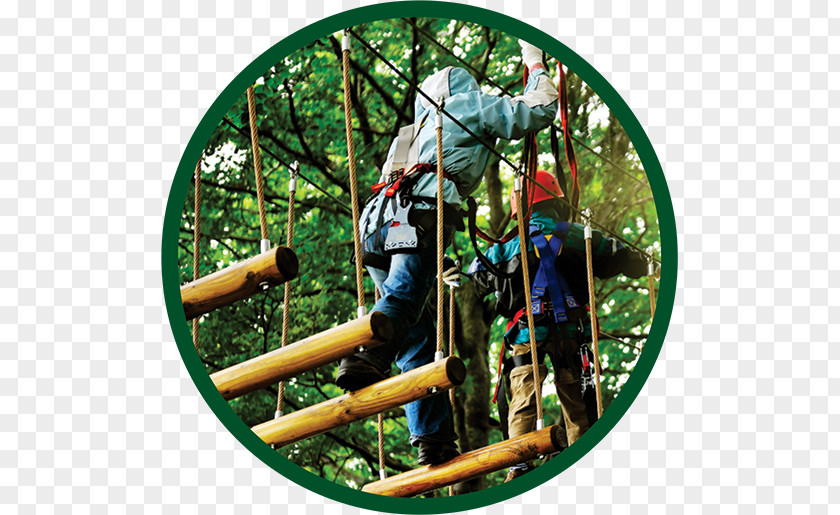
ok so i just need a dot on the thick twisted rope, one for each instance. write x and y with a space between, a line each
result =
287 291
351 158
380 422
593 317
452 339
196 242
255 150
381 431
440 243
451 489
526 275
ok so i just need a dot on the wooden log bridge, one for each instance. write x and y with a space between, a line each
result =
292 360
239 281
396 391
470 465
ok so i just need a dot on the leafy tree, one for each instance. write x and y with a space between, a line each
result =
301 117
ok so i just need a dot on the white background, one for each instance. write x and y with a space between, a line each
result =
98 102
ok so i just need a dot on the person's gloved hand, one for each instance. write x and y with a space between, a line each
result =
634 264
451 273
531 55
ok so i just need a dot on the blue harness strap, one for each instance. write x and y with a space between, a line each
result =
563 227
547 278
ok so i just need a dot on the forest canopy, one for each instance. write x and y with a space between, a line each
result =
299 103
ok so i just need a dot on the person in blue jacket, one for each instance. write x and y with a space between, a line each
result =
559 295
398 225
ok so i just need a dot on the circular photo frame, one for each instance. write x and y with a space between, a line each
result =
286 155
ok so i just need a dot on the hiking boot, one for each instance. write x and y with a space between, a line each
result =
355 373
435 453
515 473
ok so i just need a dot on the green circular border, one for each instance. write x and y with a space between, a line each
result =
192 153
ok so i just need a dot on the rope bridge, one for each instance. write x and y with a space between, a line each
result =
279 265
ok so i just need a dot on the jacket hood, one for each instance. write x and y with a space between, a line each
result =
443 84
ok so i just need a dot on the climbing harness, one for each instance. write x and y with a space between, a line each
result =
548 280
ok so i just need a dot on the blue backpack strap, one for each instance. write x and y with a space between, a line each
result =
547 277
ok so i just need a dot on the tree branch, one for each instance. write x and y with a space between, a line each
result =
299 132
303 158
386 98
270 196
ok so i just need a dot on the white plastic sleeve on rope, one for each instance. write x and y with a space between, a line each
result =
361 311
438 120
265 246
278 414
651 268
540 424
293 173
383 474
587 229
517 184
438 355
345 41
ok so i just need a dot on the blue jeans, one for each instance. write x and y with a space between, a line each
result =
405 289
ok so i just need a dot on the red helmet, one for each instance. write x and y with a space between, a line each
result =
537 194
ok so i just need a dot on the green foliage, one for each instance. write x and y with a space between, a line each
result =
301 117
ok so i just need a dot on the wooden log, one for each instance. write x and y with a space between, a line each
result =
470 465
395 391
286 362
239 281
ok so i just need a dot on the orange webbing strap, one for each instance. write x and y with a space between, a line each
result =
574 198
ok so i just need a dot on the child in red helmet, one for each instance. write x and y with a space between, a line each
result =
559 296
